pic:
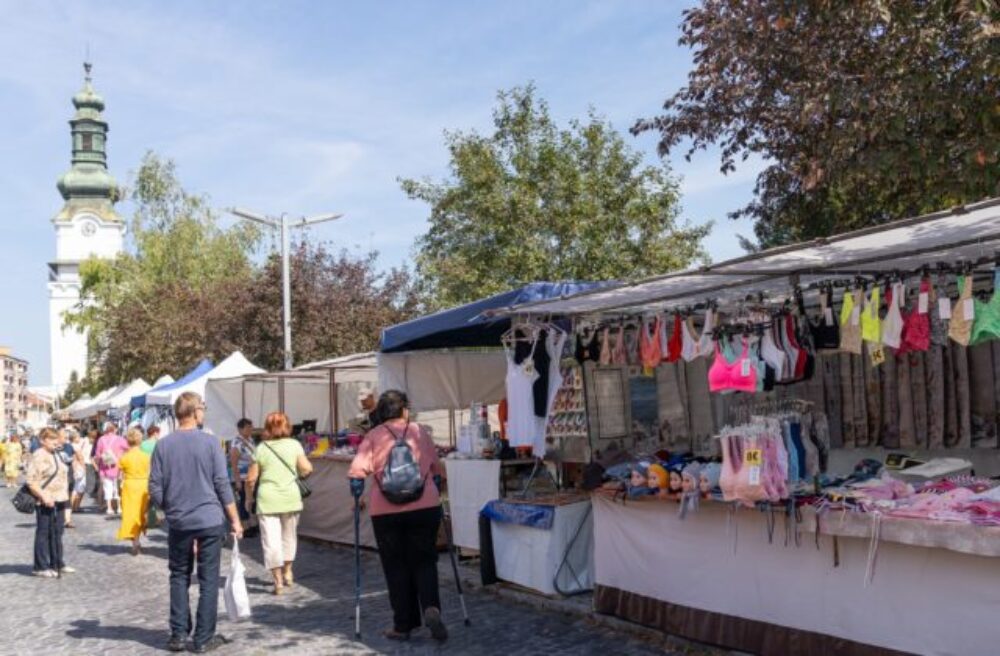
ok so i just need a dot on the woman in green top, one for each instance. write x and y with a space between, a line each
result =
278 461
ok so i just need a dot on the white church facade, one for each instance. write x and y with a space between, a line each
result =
86 226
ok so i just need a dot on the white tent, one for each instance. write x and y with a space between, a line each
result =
76 405
235 365
302 393
445 379
121 399
91 408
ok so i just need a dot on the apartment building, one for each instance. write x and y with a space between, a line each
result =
13 391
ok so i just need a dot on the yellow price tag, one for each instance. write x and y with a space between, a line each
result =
877 355
752 457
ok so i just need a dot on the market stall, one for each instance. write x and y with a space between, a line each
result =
795 441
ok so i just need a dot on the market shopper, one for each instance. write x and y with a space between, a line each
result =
135 493
12 454
406 534
149 444
47 478
110 449
81 463
241 456
188 481
277 463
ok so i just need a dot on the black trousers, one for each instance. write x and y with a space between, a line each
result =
407 548
181 563
48 537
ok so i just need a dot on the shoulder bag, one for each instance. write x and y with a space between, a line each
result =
24 501
304 490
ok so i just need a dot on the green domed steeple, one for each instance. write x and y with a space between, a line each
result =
88 185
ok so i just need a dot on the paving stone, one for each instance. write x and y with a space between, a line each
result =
118 604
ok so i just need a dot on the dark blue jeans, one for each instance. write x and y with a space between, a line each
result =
181 562
48 537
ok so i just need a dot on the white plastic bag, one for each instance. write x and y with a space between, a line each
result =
235 592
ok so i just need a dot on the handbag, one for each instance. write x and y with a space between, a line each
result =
304 490
24 501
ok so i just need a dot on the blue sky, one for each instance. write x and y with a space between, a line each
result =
309 107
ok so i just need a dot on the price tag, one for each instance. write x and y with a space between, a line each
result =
753 457
745 367
754 476
855 316
828 316
877 355
968 309
922 302
944 309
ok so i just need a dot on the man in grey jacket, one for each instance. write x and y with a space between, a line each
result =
189 481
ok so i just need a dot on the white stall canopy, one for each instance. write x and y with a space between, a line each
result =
445 379
121 399
235 365
970 233
91 408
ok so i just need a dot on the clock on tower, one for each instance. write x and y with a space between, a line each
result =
86 226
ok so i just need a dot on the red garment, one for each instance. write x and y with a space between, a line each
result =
502 411
676 343
916 334
649 343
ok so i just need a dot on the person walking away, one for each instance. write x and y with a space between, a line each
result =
81 456
12 455
135 466
67 454
405 533
149 444
278 461
48 480
241 456
93 480
110 449
188 481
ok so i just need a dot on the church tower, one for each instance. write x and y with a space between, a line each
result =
86 226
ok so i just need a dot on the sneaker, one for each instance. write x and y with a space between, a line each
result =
176 643
66 569
109 512
44 573
213 643
432 618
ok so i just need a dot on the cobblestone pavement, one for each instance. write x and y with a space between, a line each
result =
118 604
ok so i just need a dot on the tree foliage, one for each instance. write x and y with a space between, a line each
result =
533 201
189 289
864 111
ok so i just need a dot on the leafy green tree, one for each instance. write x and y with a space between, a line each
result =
533 201
146 309
863 111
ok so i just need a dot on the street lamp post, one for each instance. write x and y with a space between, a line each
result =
284 226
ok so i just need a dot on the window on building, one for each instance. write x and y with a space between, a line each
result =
87 142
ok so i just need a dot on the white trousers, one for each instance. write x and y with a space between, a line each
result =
279 538
110 488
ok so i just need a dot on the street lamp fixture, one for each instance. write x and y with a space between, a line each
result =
284 225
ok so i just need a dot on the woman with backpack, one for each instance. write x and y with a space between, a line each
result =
406 512
278 462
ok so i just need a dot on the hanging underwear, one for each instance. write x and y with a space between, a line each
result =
705 344
587 349
916 326
738 376
605 355
960 328
676 343
649 344
632 336
824 335
774 356
986 325
664 344
618 355
892 325
799 355
850 332
871 325
689 345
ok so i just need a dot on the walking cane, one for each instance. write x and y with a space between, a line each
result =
454 560
357 567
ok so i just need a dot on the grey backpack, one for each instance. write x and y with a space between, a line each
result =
400 480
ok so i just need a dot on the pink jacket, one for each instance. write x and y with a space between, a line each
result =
373 453
117 445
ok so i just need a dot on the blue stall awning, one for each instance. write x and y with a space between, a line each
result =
200 370
471 325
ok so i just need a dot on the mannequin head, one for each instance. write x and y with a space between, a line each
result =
658 478
709 477
638 478
691 478
676 482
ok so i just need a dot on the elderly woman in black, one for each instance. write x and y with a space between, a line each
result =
48 480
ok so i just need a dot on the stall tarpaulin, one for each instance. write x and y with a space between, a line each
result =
202 368
121 399
234 365
92 407
472 484
328 514
435 380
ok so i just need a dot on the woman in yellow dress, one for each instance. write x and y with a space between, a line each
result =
12 454
134 466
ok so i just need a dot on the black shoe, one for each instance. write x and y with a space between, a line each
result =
176 643
432 618
213 643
